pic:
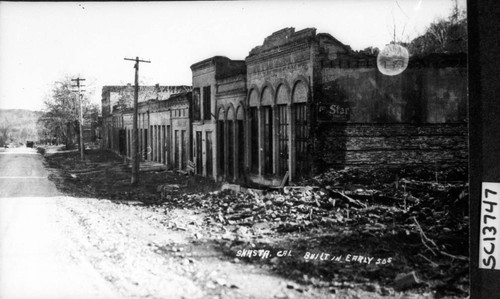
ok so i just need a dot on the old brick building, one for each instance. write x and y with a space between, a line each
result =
219 89
302 102
282 75
163 114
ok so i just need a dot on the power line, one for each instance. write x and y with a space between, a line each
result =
78 85
135 146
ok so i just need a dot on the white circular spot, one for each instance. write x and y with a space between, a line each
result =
392 60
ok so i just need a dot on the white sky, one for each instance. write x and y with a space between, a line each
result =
42 42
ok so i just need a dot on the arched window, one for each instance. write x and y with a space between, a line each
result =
240 137
220 140
253 125
230 143
282 99
267 130
300 120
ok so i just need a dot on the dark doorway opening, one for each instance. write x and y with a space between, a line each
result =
199 157
268 139
220 131
209 153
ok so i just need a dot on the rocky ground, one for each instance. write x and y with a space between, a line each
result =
400 233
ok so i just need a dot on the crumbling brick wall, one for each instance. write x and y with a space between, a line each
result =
366 118
343 145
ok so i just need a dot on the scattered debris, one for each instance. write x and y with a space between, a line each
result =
407 214
405 281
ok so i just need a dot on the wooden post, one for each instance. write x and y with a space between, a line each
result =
82 146
135 135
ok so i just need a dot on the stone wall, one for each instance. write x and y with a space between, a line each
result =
339 145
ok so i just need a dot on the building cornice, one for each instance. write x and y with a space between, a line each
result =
276 52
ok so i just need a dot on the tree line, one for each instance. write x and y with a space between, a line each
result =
446 35
18 126
59 122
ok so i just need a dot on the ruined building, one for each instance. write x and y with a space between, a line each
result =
154 109
300 103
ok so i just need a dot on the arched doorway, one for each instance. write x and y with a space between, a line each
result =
253 131
301 128
230 118
282 102
240 144
220 143
267 131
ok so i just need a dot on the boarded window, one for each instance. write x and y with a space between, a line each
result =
196 104
207 112
282 139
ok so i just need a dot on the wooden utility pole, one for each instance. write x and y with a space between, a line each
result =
78 85
135 146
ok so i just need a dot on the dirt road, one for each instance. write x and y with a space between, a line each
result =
22 174
55 246
34 259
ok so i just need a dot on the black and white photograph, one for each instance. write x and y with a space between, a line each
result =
244 149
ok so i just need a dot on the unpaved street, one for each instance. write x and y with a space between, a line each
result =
54 246
22 174
35 254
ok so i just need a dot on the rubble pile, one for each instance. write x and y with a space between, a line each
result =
396 207
418 217
296 208
422 223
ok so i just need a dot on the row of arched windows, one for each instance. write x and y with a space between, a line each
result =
267 135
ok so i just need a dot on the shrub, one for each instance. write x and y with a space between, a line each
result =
40 150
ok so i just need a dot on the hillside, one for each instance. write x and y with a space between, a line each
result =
18 125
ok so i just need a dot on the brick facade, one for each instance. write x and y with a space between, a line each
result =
303 102
162 118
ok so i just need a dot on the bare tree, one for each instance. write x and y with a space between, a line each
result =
60 117
4 133
443 36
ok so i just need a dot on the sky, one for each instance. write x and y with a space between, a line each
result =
42 42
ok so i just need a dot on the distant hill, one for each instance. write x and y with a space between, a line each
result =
18 125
